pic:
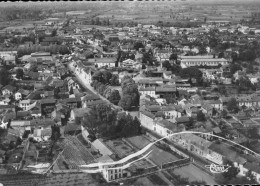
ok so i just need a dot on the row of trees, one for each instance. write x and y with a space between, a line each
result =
102 120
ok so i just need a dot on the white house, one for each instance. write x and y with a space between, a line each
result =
25 104
148 91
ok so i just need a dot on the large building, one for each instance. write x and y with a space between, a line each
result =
201 61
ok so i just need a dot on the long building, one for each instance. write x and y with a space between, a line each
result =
189 61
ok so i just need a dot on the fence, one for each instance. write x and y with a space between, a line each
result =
177 163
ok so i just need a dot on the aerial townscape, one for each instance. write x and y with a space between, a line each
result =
140 93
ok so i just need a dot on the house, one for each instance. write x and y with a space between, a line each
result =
217 104
171 111
147 91
72 102
189 61
78 113
10 60
112 174
72 83
72 129
47 106
162 55
7 107
164 91
20 94
8 90
193 143
183 120
42 134
88 98
164 127
249 101
103 62
25 104
4 101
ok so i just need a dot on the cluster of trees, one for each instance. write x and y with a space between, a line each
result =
102 120
175 68
19 73
53 49
232 105
102 80
130 97
4 76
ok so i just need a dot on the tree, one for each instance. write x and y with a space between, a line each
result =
176 69
19 73
201 116
170 99
54 33
224 113
191 72
114 80
138 45
114 97
202 49
173 57
127 126
99 119
126 102
167 65
221 55
4 77
232 105
234 68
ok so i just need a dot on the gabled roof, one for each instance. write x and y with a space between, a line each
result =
9 87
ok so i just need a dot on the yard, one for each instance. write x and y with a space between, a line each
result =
119 147
158 156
